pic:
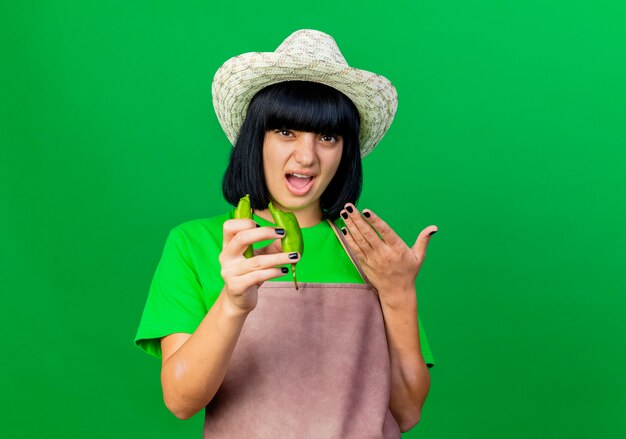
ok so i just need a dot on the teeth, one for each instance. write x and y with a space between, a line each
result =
301 175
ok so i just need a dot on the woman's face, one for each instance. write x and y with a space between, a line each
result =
299 165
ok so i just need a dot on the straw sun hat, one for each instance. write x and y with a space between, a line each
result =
306 55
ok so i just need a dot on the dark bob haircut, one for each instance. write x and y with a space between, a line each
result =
301 106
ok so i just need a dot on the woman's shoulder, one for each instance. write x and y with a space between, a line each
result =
201 229
208 223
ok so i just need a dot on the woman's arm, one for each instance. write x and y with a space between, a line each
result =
410 379
194 365
392 267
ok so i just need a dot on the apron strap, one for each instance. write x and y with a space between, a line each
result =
353 258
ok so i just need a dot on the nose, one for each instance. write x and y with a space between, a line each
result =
304 153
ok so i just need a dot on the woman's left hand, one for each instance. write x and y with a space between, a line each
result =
387 261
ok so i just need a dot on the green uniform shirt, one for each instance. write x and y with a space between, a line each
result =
187 279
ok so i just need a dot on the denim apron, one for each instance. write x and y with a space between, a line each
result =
311 363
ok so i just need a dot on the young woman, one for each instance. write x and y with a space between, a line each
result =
345 355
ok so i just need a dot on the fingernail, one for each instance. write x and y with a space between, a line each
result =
279 231
366 214
349 209
285 270
344 231
344 215
432 233
293 255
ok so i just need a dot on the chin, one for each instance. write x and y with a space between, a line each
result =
294 204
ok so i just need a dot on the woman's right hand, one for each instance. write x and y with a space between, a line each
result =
242 276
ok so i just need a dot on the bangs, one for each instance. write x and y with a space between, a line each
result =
306 106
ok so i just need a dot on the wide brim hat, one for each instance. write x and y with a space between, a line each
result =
306 55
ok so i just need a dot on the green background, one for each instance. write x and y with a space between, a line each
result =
510 136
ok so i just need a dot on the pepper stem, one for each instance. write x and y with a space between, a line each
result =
293 271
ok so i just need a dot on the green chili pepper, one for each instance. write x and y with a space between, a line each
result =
243 210
292 242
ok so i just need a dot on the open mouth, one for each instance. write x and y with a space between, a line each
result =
299 184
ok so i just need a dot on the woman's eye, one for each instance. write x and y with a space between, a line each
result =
285 133
329 138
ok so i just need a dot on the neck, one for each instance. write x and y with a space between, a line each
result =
307 217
